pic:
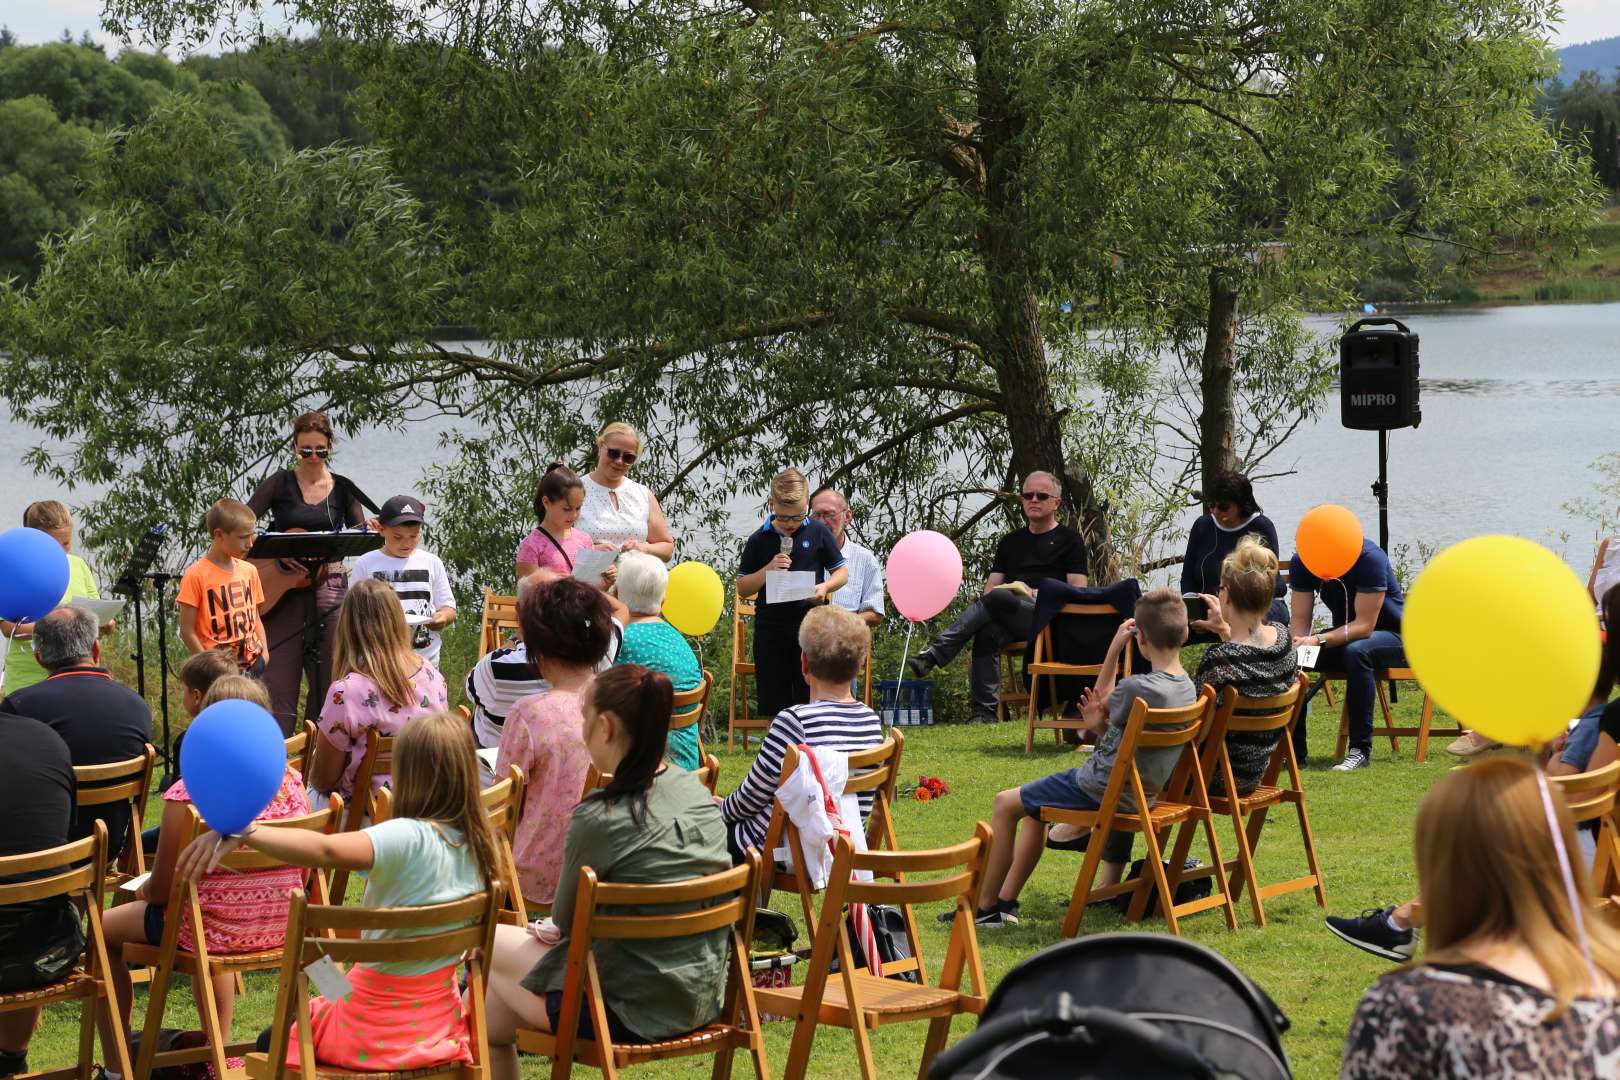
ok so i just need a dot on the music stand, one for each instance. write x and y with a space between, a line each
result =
131 583
312 551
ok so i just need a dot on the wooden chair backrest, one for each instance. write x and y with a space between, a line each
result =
300 748
708 775
378 762
120 781
1589 795
878 769
76 869
462 928
686 699
1161 729
500 615
1236 713
1044 649
503 803
740 609
245 859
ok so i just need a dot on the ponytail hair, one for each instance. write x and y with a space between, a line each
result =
643 700
555 484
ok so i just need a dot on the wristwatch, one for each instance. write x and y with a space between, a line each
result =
1321 642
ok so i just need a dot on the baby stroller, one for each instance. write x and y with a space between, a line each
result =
1136 1006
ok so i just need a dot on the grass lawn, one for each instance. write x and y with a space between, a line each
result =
1362 824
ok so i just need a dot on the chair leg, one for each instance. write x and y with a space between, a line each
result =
1208 820
1167 896
87 1033
202 988
1246 862
1424 721
804 1036
157 996
1034 696
863 1045
1344 727
939 1029
1082 886
1389 717
1310 850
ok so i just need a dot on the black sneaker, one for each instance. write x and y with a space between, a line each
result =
1371 931
920 665
1005 913
1355 759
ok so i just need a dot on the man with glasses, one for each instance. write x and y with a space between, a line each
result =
863 592
1043 548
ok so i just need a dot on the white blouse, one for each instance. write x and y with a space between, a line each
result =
615 515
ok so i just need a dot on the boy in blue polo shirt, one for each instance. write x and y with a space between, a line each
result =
789 540
1365 605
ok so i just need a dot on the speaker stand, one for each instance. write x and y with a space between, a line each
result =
1380 489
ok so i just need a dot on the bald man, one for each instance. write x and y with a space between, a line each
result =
1042 549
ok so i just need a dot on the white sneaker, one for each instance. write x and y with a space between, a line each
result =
1355 759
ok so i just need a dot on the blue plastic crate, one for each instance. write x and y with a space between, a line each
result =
907 703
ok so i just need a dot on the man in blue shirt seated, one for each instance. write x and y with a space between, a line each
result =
1365 605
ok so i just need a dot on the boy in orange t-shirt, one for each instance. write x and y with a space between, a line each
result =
220 594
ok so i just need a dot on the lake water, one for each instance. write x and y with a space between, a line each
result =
1516 402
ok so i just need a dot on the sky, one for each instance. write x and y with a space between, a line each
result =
35 21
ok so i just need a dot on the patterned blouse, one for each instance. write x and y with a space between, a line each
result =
660 646
247 912
541 736
1471 1022
1255 673
354 705
615 515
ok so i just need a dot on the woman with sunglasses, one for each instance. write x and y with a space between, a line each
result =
1232 515
308 497
618 510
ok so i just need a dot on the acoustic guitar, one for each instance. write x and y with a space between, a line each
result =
278 577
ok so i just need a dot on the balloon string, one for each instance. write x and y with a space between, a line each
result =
5 657
1575 905
905 652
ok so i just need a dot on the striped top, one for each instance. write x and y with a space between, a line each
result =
846 726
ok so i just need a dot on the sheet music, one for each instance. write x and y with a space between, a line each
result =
104 610
782 586
590 564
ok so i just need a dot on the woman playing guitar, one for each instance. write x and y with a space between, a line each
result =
306 498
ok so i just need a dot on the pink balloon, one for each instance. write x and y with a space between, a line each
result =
925 574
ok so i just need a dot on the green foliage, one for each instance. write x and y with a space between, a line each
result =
40 161
829 236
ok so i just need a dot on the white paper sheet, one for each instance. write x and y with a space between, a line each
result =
488 756
782 586
590 564
133 885
104 610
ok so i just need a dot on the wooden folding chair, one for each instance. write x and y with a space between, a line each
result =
77 871
696 703
858 1000
503 801
500 619
1011 697
1236 713
377 762
1424 729
708 775
338 933
1591 796
876 770
596 918
168 958
114 782
301 748
1043 664
740 705
1185 802
866 679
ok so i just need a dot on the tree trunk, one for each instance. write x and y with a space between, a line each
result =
1034 428
1215 422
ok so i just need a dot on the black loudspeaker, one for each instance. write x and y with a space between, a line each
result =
1378 376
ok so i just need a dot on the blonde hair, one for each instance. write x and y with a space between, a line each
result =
1489 870
1161 619
1250 575
47 515
835 642
372 639
789 488
228 515
238 688
618 427
435 779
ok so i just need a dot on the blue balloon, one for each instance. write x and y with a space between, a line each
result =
33 574
232 760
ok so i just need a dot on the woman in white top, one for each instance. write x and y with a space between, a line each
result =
617 510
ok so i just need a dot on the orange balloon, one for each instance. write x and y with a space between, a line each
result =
1328 540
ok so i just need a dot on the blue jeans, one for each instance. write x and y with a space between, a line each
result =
1359 661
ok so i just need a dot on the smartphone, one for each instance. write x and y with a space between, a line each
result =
1197 606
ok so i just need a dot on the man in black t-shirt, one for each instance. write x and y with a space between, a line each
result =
99 718
1041 549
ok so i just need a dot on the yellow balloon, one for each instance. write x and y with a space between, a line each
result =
694 598
1502 634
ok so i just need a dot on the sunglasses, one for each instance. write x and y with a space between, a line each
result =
626 456
1037 496
313 451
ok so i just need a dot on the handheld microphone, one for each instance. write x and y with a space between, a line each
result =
787 545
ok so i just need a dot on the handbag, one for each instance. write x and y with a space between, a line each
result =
889 937
40 943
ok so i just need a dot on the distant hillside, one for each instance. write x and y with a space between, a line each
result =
1601 56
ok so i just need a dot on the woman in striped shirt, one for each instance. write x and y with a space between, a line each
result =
833 643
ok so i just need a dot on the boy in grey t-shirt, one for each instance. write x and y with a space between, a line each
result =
1160 630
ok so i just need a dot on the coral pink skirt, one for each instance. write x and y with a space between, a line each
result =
391 1023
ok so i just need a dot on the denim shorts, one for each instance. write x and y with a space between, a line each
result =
1062 791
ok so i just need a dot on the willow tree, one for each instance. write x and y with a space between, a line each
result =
917 246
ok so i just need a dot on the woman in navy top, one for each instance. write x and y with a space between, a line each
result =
1232 515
